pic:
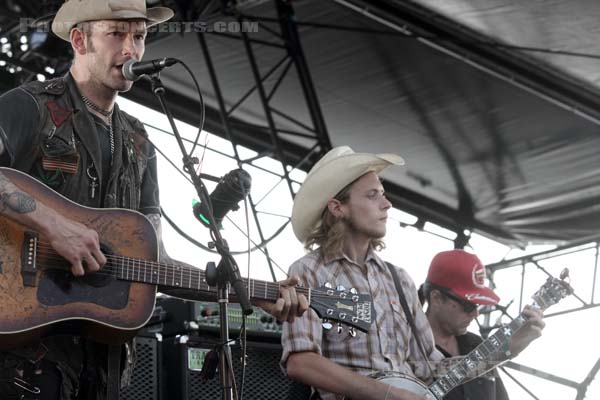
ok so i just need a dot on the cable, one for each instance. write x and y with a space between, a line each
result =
208 249
243 332
202 106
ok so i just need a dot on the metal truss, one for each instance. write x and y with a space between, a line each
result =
547 262
282 35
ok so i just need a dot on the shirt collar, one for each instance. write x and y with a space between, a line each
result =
372 259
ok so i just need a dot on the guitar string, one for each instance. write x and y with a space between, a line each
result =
109 271
194 273
133 267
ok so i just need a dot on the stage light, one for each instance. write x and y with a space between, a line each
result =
3 40
37 39
2 63
24 47
23 39
47 45
41 77
11 70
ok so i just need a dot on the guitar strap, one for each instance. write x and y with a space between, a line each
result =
409 315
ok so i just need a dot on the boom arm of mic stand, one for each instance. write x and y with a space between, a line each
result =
232 271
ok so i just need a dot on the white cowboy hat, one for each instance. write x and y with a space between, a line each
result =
73 12
337 169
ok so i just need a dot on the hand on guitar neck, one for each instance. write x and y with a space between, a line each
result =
289 305
531 330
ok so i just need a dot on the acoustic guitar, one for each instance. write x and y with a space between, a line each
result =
477 362
39 296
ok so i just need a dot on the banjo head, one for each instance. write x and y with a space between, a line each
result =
402 381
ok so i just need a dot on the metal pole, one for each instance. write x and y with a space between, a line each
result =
231 137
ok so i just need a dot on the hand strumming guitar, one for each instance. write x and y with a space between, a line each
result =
72 240
77 244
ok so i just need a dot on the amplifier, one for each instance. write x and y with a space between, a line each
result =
147 380
264 379
182 317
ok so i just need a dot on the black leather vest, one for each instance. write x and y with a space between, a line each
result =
66 149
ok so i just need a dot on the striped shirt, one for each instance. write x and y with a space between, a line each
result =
387 346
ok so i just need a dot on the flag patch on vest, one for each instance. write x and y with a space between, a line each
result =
68 164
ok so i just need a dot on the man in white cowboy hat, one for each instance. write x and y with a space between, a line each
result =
340 214
69 134
454 290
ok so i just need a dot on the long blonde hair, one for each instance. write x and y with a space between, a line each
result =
329 233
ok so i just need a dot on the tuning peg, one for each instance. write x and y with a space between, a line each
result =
327 325
351 332
341 288
328 285
339 328
353 291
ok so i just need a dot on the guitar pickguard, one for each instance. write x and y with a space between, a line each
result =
57 288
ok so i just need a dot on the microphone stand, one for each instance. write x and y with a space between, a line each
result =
224 276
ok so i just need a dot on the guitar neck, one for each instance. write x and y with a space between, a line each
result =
344 307
186 277
478 360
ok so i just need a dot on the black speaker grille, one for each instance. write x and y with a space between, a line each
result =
264 379
144 381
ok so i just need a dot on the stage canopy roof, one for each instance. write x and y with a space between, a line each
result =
495 105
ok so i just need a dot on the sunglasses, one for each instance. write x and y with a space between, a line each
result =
467 306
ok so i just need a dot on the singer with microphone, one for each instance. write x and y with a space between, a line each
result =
69 134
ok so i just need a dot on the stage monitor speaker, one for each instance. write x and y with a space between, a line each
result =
146 381
264 379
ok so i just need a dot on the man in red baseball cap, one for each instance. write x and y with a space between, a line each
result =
454 290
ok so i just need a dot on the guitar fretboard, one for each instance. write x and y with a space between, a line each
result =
183 276
478 360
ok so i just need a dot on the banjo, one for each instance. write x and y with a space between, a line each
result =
476 363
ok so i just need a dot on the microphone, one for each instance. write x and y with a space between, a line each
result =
134 70
231 189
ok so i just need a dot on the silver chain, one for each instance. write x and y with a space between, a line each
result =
108 115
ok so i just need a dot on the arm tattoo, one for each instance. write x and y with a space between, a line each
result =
18 202
14 200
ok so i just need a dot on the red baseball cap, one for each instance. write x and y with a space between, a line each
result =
463 274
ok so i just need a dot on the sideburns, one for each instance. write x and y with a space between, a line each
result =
89 43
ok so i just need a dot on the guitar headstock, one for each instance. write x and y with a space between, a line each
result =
347 307
553 291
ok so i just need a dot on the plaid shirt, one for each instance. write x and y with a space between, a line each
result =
389 344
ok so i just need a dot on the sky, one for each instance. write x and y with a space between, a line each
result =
567 347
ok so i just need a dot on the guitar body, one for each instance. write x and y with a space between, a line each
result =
38 300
